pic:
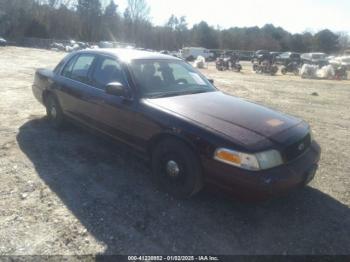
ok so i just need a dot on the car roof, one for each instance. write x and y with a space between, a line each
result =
317 53
126 54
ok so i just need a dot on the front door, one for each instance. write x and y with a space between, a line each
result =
112 114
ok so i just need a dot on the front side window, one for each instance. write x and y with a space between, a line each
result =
81 68
161 78
108 70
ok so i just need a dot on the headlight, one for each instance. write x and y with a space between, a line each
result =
254 162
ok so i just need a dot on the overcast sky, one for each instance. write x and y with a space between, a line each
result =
295 16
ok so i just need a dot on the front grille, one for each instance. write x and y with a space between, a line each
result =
296 149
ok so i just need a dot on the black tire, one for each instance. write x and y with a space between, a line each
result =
274 70
284 71
54 112
176 169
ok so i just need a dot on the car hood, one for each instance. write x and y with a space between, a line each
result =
233 117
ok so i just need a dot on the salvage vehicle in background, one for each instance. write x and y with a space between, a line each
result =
291 67
3 42
222 63
341 61
340 72
192 133
228 62
265 67
319 59
236 66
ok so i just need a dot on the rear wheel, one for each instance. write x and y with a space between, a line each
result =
284 71
54 112
176 169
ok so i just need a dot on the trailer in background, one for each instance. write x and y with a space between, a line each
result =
191 53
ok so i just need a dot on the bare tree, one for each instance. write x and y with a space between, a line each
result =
57 3
138 10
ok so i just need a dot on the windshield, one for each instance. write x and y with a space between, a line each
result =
318 56
162 78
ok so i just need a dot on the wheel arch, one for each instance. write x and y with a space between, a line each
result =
46 94
155 140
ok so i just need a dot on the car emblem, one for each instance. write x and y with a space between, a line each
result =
301 147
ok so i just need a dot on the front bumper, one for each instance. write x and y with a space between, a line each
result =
276 181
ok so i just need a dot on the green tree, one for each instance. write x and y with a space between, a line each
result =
326 41
204 36
111 22
90 13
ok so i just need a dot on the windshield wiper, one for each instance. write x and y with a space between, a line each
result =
179 93
200 91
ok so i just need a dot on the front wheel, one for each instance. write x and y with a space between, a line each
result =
54 112
176 169
284 71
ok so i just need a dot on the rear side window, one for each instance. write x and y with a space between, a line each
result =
106 71
58 67
81 68
67 70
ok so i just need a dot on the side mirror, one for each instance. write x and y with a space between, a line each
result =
115 89
211 81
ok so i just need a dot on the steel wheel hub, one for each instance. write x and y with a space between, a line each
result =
172 168
53 112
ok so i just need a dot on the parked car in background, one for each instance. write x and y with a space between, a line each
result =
164 52
192 133
3 42
341 61
288 57
105 44
245 55
275 54
319 59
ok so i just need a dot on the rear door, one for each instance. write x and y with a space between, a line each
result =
74 86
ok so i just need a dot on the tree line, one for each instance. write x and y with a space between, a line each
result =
89 20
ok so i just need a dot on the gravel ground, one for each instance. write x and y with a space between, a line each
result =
74 192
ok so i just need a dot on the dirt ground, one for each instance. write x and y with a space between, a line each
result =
74 192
